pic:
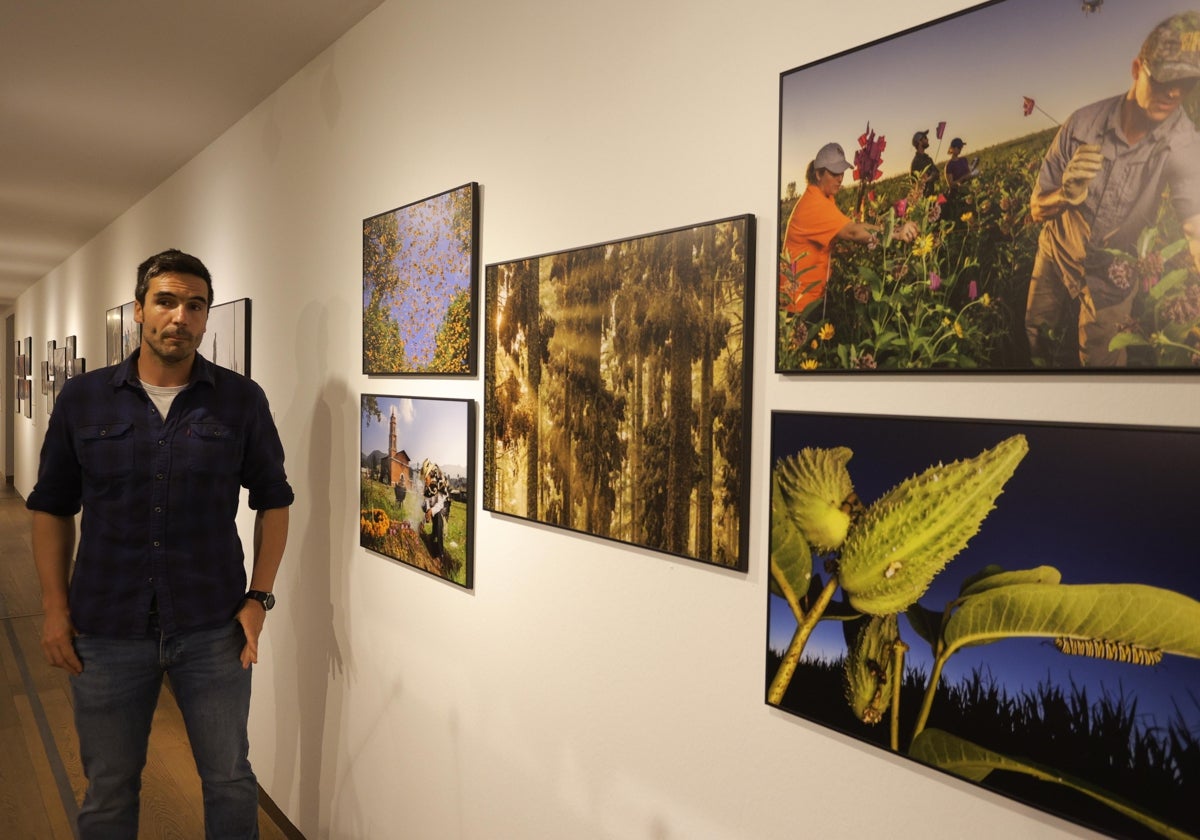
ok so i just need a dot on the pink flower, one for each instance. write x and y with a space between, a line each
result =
941 199
941 129
935 282
869 156
972 290
902 207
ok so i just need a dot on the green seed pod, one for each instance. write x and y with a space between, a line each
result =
916 528
816 488
870 669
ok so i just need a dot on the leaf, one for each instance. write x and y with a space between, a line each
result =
1127 339
994 576
1135 614
1169 282
970 761
791 558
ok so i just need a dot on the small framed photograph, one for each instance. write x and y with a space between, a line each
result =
420 282
417 483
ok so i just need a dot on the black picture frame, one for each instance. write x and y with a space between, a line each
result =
421 287
417 483
592 422
1053 658
955 299
122 334
226 340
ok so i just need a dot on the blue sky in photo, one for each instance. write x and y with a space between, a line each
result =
971 72
425 428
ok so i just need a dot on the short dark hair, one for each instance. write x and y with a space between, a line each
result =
171 261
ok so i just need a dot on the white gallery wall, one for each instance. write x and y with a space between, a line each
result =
582 689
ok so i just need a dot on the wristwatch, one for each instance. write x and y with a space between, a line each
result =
267 599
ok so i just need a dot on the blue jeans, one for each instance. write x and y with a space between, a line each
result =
114 701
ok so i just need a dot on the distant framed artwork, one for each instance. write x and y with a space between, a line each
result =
122 334
1012 603
226 340
617 390
420 282
417 483
957 240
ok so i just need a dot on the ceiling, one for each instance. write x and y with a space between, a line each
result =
102 100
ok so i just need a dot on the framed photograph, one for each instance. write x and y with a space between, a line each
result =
420 281
226 339
991 222
59 372
617 390
417 482
1011 603
122 334
112 336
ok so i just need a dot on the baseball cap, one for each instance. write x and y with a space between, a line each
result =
1172 49
920 135
958 141
832 158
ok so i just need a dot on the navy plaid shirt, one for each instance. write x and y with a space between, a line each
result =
159 496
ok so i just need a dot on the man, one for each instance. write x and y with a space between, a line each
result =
922 164
155 450
1100 185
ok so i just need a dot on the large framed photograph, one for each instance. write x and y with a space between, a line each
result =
122 334
417 483
226 339
617 390
1029 201
420 282
1011 603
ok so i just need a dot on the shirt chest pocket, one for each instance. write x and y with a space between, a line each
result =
213 448
106 452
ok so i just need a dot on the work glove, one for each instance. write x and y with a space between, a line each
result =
1081 169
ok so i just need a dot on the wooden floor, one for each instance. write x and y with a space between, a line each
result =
41 781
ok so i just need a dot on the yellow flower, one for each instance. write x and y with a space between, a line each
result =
966 217
923 245
826 332
808 364
813 344
958 330
945 322
986 299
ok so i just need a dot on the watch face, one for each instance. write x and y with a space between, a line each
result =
269 601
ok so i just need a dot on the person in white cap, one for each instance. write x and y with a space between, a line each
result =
815 224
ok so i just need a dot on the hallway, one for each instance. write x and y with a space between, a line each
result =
41 780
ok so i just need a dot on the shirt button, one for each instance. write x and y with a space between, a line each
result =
162 443
103 432
158 510
159 476
157 543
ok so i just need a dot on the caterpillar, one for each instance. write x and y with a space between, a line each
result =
1105 649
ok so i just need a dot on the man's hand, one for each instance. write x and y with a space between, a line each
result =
58 641
251 616
1081 169
906 232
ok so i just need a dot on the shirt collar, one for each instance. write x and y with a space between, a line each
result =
125 373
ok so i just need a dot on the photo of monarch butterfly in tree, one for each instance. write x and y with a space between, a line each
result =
1017 604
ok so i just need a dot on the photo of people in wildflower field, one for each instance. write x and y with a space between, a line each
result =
1012 603
1012 188
420 275
416 482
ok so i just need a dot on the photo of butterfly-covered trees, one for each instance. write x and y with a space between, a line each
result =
1012 603
617 390
420 275
1016 188
416 480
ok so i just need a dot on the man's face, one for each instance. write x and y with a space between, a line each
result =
1158 100
174 316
